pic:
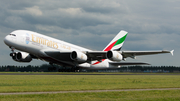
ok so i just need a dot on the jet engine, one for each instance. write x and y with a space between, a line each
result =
21 57
78 56
114 56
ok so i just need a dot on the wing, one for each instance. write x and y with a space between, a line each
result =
99 55
132 54
96 55
65 56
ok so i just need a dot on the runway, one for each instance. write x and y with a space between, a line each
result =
86 91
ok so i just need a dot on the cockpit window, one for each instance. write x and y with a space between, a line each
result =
12 34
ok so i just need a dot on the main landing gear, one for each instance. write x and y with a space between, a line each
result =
68 69
63 69
76 69
51 68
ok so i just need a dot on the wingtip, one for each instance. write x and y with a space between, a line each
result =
172 52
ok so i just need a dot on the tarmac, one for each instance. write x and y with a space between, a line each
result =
86 91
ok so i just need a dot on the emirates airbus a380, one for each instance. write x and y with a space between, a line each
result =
32 45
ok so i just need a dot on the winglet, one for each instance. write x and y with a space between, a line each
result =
172 52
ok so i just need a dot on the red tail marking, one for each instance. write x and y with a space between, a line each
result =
110 46
107 49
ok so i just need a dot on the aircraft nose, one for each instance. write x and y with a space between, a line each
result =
6 40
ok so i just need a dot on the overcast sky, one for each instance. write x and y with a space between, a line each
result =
151 25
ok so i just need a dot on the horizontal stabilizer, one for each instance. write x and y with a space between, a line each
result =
127 63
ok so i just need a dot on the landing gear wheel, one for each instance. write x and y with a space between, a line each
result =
76 69
54 68
51 68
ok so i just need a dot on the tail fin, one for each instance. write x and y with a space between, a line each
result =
117 42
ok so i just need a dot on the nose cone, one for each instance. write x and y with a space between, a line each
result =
7 40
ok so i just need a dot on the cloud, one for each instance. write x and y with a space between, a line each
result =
34 11
70 11
151 24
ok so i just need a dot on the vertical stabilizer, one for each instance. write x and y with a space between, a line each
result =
117 42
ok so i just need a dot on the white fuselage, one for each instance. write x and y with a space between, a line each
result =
36 44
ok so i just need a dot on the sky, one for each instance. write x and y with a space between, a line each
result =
151 25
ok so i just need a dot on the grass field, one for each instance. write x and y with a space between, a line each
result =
167 95
35 83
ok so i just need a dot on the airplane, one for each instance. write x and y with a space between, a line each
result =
32 45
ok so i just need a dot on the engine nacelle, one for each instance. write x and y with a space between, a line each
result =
13 55
21 57
114 56
78 56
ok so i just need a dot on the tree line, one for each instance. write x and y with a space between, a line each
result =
30 68
56 68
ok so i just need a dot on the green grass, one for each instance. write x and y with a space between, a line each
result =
35 83
165 95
